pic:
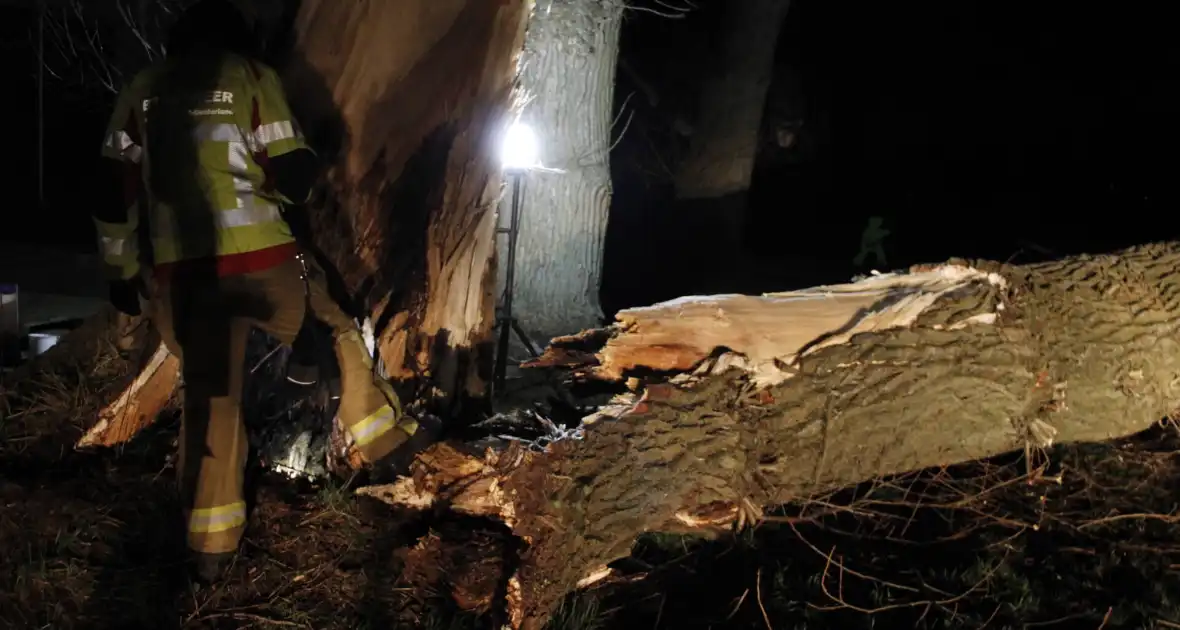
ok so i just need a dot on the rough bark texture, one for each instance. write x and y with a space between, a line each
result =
409 98
947 364
720 161
568 73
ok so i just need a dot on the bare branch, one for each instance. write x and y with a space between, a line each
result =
133 26
667 10
87 37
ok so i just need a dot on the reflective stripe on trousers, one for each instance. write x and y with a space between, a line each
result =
374 426
217 519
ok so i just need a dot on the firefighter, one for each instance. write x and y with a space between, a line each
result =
209 153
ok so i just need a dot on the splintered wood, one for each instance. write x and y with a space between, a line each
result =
418 92
138 405
770 332
470 484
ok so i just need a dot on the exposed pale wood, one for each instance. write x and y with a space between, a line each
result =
61 393
418 93
768 331
948 364
138 405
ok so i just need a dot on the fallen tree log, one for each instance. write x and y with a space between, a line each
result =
787 395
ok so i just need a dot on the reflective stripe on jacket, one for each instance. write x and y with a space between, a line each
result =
199 138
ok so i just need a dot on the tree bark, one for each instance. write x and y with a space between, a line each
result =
568 73
798 393
717 171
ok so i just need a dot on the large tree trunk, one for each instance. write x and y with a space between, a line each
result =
714 178
568 73
798 393
395 96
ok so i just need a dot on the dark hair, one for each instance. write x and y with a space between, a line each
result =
211 26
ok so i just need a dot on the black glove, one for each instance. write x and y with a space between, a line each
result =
125 294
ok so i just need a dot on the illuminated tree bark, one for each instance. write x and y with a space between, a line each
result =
568 73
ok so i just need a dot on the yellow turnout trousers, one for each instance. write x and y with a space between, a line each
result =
205 320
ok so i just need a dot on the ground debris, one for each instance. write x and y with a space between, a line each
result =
468 559
528 427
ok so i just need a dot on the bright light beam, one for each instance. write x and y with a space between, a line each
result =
519 151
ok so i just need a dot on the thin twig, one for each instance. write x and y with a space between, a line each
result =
737 605
758 595
1167 518
673 13
255 618
1106 617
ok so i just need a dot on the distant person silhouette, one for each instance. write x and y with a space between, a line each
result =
872 242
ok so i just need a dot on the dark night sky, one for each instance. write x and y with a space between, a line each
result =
971 125
74 122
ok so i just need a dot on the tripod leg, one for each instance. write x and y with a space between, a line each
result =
501 367
524 338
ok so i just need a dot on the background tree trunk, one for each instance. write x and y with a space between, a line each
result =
715 175
568 73
821 389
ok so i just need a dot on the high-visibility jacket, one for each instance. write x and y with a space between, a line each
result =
209 146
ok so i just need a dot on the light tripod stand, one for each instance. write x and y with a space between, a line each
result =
506 322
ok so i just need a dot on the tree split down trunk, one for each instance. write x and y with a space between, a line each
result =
408 101
411 99
773 399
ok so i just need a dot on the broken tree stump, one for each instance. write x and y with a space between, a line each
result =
138 404
783 396
101 372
